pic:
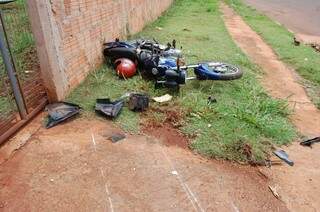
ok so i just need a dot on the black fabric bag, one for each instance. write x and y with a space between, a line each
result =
138 102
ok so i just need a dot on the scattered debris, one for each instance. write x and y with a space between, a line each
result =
162 99
310 142
109 108
296 41
269 163
274 191
186 30
61 111
117 137
211 100
309 40
126 95
284 156
174 173
138 102
316 47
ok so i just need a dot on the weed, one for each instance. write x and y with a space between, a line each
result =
5 106
303 58
243 125
22 46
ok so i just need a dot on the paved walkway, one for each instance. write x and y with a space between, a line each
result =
300 16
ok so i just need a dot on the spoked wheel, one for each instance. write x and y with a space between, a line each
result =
218 71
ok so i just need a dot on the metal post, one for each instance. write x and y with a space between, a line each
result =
10 68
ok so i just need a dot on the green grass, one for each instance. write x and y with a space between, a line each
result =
105 84
304 59
22 45
243 125
5 106
20 36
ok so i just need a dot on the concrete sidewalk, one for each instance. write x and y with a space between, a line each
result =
301 17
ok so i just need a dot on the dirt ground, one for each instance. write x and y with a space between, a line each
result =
74 167
297 185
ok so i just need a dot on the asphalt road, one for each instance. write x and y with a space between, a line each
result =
299 16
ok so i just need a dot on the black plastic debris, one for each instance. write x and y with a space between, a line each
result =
283 156
138 102
310 142
117 137
211 100
109 108
60 112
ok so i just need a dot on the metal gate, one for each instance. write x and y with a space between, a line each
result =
22 94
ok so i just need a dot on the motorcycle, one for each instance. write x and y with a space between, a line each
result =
164 63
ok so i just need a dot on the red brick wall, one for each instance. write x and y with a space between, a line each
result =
80 27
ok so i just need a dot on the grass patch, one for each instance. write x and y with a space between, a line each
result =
303 58
22 45
20 37
245 122
105 84
5 106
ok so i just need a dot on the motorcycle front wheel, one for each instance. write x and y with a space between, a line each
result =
217 71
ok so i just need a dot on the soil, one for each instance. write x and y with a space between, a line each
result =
74 167
297 185
168 135
166 130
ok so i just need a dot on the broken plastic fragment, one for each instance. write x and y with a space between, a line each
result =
211 100
284 156
310 142
117 137
162 99
61 111
108 108
174 172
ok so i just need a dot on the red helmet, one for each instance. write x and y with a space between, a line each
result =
125 68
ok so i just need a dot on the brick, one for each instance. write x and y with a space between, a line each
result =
83 26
